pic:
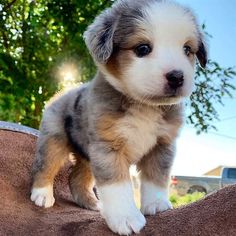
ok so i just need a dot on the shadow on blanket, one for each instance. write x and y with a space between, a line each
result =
215 215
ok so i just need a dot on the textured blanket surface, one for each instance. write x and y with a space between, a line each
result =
215 215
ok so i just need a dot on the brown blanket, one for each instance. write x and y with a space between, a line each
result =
215 215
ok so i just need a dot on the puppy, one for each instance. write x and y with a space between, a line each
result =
130 113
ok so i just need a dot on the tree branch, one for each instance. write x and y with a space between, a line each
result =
9 5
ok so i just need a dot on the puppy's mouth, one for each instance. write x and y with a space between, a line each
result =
166 100
156 100
170 96
173 91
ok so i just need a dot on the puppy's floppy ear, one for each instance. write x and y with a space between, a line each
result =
99 36
202 54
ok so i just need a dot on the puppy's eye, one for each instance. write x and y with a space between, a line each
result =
142 50
188 50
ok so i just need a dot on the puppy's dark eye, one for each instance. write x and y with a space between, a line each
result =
187 50
142 50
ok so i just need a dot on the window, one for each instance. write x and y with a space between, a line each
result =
232 173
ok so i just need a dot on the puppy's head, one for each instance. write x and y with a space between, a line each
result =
147 49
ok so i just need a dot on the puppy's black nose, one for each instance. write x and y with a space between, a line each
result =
175 78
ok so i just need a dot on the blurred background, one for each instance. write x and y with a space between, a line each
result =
42 51
199 154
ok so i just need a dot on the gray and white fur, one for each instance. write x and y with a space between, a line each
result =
130 113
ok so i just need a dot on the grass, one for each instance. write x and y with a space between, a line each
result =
175 199
178 201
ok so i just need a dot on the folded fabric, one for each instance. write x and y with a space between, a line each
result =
214 215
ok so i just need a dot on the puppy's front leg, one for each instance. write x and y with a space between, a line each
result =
115 193
155 170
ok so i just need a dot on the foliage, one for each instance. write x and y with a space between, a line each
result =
37 38
178 201
212 84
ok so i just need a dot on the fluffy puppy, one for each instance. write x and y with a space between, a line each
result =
130 113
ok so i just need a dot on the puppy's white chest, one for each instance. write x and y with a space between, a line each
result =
140 128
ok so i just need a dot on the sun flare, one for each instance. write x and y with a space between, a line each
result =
68 74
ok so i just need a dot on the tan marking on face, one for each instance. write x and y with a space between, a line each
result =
193 43
121 59
56 155
113 65
141 36
81 184
118 63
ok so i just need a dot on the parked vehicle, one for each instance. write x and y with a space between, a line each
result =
228 176
207 184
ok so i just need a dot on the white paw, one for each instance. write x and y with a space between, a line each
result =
157 206
43 197
119 210
153 199
126 222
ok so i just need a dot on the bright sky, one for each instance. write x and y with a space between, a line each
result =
199 154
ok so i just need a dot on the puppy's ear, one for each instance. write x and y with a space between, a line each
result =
99 36
202 54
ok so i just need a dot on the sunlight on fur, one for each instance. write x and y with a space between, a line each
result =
136 185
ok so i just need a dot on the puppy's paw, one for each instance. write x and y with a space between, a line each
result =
43 197
126 222
158 206
119 210
153 199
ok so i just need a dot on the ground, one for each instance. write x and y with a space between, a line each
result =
215 215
